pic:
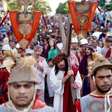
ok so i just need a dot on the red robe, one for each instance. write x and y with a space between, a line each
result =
38 104
108 53
68 105
4 74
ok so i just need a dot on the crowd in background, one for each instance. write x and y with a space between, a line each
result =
48 44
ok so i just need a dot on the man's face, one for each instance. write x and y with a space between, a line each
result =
21 93
37 51
103 80
21 52
82 48
108 44
94 43
74 45
51 43
12 44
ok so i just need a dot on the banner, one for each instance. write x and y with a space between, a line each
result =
25 25
24 19
82 14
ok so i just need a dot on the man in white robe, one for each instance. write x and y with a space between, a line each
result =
60 80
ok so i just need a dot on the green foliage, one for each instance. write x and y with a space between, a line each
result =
62 8
108 7
13 6
38 5
42 6
102 3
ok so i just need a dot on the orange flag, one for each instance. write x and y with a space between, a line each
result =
34 25
82 15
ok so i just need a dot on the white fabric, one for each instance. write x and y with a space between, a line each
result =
6 47
14 52
5 41
49 84
17 46
3 108
83 41
78 80
60 46
99 49
73 59
58 87
41 76
76 86
45 109
104 51
29 51
78 83
97 34
74 40
107 103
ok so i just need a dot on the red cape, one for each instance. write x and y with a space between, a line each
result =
68 105
4 74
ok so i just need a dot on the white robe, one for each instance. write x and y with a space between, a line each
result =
41 76
3 108
49 84
58 87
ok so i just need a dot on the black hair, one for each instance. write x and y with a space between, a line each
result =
100 68
66 66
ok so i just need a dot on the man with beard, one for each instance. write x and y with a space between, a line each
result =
22 89
99 100
61 85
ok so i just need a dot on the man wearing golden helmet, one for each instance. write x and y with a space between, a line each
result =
22 91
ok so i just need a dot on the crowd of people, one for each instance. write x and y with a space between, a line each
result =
42 78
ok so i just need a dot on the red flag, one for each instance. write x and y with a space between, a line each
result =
34 25
82 15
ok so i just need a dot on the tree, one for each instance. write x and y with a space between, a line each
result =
42 6
104 5
62 8
38 5
108 6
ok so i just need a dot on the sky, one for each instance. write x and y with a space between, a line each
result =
54 4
